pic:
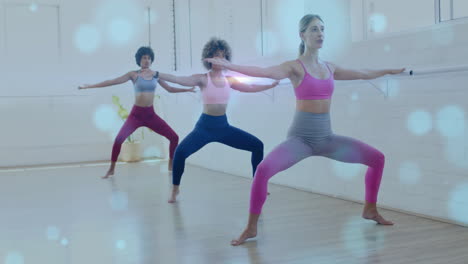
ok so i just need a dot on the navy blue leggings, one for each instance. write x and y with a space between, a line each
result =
214 129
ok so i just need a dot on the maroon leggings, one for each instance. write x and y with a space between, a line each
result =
144 116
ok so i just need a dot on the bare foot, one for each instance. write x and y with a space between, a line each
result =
372 214
248 233
108 174
173 197
169 166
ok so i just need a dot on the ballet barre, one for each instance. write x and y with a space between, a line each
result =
429 71
411 73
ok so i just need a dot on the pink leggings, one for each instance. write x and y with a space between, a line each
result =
306 140
144 116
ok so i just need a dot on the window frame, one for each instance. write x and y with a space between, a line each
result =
438 23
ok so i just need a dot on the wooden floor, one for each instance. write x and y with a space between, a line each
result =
69 215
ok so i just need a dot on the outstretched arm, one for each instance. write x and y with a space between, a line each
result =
349 74
119 80
193 80
171 89
277 72
249 88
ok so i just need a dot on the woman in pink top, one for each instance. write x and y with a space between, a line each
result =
311 133
213 124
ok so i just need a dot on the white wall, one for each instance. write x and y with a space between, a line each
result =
442 188
45 119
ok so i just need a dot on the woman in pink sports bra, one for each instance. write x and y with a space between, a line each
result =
311 133
213 125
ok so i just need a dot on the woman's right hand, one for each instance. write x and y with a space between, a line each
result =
83 86
273 85
218 61
397 71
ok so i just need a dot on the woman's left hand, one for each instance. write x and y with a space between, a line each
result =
192 90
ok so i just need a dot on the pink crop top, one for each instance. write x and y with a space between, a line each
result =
216 95
314 89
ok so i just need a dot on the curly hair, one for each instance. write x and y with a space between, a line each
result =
212 47
143 51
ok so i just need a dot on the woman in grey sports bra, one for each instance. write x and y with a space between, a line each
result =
142 113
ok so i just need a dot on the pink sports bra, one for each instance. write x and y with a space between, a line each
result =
314 89
215 95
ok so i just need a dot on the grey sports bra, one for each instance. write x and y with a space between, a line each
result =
145 86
